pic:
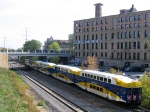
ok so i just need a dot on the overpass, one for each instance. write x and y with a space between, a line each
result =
37 53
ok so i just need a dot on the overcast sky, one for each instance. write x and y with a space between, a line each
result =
45 18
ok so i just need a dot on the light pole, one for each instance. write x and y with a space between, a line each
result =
74 53
5 42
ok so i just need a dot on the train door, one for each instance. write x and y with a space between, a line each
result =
107 92
135 95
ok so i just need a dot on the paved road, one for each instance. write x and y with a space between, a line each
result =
133 73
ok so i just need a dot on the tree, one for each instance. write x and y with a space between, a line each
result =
70 40
54 46
54 59
32 45
90 63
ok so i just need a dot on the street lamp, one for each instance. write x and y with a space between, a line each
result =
74 53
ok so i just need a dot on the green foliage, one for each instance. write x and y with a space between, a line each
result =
114 71
22 59
70 40
54 59
32 45
145 79
13 96
41 103
54 46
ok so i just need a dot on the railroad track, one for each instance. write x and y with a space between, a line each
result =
74 107
140 109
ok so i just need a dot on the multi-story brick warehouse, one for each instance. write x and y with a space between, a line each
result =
116 40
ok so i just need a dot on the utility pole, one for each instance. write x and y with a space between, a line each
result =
4 41
26 34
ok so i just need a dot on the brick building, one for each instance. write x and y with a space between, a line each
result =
116 40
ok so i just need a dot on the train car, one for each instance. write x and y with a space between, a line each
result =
35 64
111 86
46 67
27 62
66 73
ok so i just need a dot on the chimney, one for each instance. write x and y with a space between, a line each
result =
98 10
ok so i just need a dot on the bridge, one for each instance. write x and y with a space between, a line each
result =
37 53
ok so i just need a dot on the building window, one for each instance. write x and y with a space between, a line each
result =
118 19
76 25
105 54
134 56
145 46
145 56
130 25
134 18
134 45
112 55
96 37
102 28
138 45
134 34
126 19
92 28
117 55
129 55
127 25
102 36
122 26
96 22
134 25
139 25
102 22
130 34
146 33
101 45
105 35
139 17
96 28
129 45
146 24
112 26
101 54
112 35
87 37
146 16
112 45
125 55
87 29
92 45
118 45
105 45
106 28
126 45
121 45
92 36
96 46
122 19
126 34
118 27
130 18
122 36
112 20
138 34
118 35
106 21
92 23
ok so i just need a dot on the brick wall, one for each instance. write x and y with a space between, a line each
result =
4 60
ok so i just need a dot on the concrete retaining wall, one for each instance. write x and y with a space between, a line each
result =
4 60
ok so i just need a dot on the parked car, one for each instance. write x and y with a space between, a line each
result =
128 69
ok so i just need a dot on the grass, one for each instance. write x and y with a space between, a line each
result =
13 97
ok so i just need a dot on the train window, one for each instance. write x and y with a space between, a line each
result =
88 75
94 87
97 77
105 79
97 88
94 77
109 80
83 74
101 89
90 86
101 78
123 92
129 92
133 91
140 90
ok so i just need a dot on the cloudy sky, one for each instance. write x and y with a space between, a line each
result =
45 18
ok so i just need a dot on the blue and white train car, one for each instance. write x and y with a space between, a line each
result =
66 73
111 86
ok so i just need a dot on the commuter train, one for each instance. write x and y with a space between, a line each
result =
111 86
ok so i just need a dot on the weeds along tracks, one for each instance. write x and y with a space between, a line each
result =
74 107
